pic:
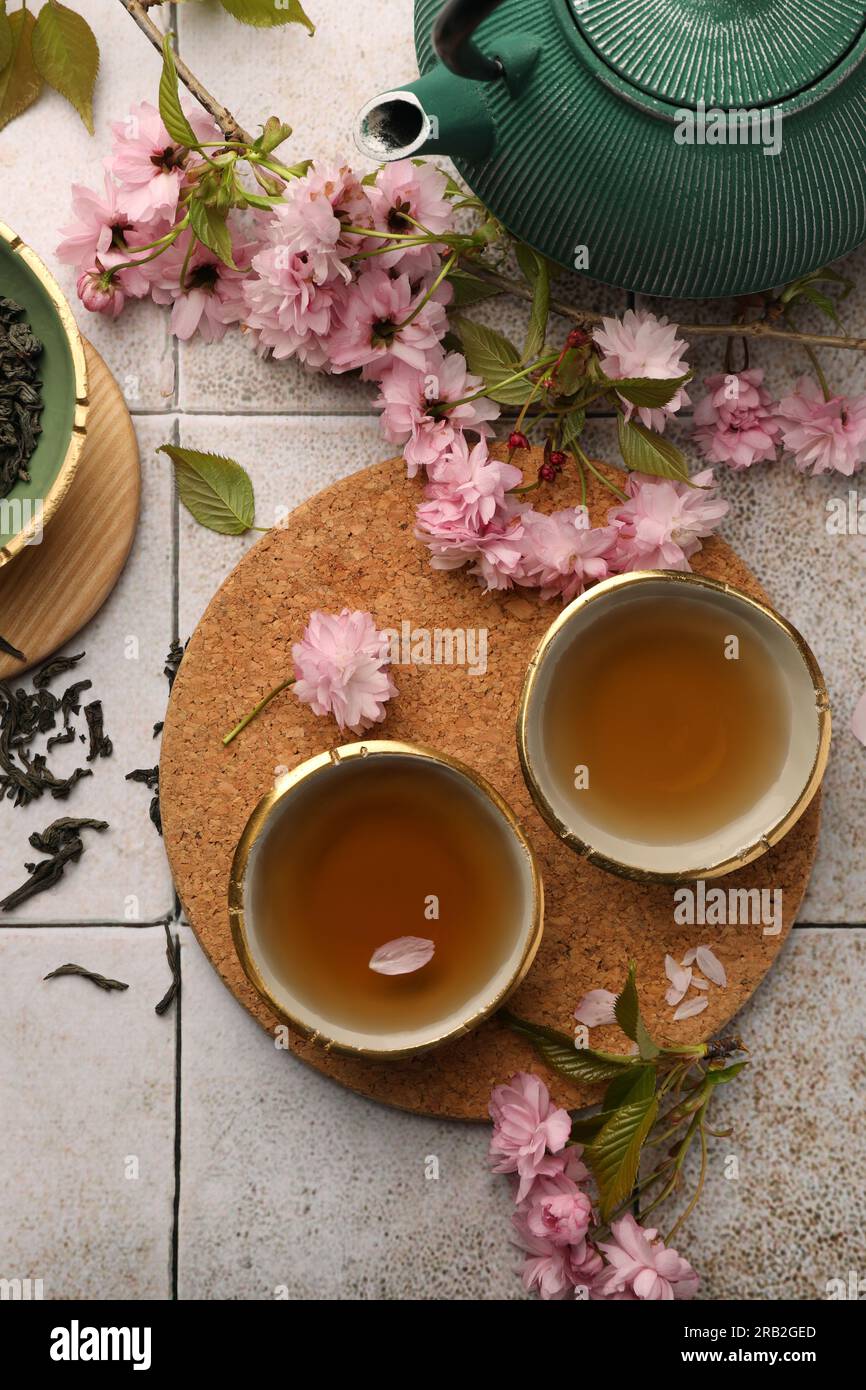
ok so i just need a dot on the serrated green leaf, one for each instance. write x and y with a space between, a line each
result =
66 54
718 1078
537 274
648 391
20 83
215 490
211 228
494 358
643 451
614 1155
170 108
571 372
572 428
584 1130
559 1052
638 1083
5 37
628 1016
274 132
468 289
265 14
821 301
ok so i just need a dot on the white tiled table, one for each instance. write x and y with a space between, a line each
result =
252 1174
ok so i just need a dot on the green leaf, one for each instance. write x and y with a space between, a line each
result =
20 83
718 1078
821 301
66 54
559 1052
571 371
5 37
274 132
643 451
647 391
468 289
265 14
215 490
614 1155
494 358
572 428
211 228
170 108
584 1130
638 1083
537 274
628 1016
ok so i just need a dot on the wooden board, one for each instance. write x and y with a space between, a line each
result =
354 545
49 591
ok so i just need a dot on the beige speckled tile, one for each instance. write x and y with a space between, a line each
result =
288 1181
36 195
289 458
87 1098
123 874
793 1216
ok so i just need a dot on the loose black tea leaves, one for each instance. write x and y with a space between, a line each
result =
100 743
172 955
149 777
63 844
20 395
101 980
57 667
9 650
173 660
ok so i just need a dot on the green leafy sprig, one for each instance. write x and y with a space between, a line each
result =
655 1098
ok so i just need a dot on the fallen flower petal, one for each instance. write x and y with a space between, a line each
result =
674 995
688 958
402 955
690 1008
699 983
858 719
596 1008
678 975
712 967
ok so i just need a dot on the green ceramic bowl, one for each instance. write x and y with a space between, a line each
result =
63 372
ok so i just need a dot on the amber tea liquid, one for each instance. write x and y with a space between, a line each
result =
378 848
678 736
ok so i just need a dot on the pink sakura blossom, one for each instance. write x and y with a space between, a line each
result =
408 394
556 1271
562 554
641 345
288 311
343 190
212 294
639 1266
468 517
823 435
418 190
736 423
341 669
99 294
97 224
374 329
662 523
149 166
528 1130
557 1210
468 485
596 1008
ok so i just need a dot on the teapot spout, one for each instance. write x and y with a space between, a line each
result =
438 114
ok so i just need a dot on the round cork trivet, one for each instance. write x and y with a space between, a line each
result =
354 545
49 591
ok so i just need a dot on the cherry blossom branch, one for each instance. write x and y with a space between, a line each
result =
586 319
223 117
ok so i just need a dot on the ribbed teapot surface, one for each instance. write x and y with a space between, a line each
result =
691 148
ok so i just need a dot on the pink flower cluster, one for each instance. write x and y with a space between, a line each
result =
739 424
554 1216
341 668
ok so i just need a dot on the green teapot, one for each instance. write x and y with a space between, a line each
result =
691 148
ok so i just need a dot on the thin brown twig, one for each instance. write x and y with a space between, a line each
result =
223 117
585 318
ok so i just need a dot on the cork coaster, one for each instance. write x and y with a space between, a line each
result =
353 544
49 591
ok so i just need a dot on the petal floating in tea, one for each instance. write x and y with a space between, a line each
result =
712 967
596 1008
402 956
690 1008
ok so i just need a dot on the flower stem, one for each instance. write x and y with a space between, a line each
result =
248 718
429 295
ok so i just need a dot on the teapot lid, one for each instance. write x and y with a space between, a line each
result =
728 53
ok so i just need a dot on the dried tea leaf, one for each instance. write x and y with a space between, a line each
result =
20 83
66 54
101 980
7 647
172 955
